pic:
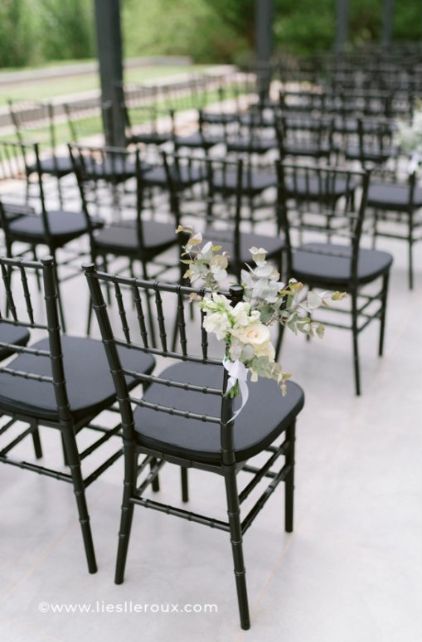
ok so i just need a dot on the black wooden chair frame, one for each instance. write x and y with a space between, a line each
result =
67 427
365 307
227 467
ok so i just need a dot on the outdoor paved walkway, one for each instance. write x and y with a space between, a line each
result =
352 570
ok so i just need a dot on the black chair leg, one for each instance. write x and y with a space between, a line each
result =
89 318
384 295
36 440
79 490
126 513
155 484
410 254
289 487
65 458
184 482
375 230
355 334
236 542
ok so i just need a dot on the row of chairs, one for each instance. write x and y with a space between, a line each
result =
210 194
179 415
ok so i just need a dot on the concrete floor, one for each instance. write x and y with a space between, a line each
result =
352 570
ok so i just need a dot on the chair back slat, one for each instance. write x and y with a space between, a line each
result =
323 200
160 317
19 312
191 347
27 295
122 311
140 315
6 272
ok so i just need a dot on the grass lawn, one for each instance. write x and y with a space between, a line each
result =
92 125
53 88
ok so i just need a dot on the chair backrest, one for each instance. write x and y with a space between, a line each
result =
12 161
34 120
110 183
83 117
129 329
18 280
323 200
302 134
27 157
375 140
216 206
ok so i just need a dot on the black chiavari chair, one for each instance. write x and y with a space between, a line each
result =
396 205
185 417
334 200
59 382
218 212
53 227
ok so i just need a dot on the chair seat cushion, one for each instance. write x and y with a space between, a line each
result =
305 149
15 210
14 334
110 169
217 118
58 166
157 177
253 145
258 118
123 239
265 416
254 182
150 138
330 264
315 188
197 140
273 244
370 154
64 227
394 197
89 384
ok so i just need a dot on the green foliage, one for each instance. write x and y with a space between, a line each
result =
179 27
16 37
208 30
66 29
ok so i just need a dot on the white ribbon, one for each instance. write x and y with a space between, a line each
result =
238 373
414 162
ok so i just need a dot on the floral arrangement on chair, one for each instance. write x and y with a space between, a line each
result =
409 138
245 327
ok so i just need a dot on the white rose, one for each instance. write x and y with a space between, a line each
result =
265 350
255 333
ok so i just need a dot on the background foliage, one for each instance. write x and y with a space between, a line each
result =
37 31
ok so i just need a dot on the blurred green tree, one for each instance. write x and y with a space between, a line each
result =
16 34
66 29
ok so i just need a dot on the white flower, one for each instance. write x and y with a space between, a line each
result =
195 239
218 268
255 333
258 254
313 300
206 251
265 271
240 313
265 350
217 323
